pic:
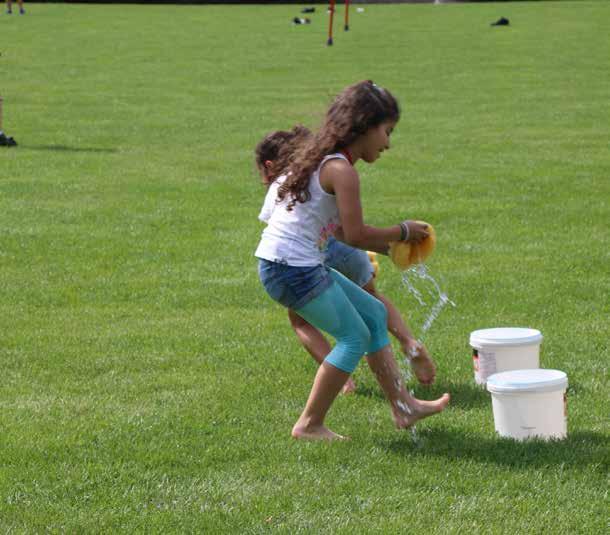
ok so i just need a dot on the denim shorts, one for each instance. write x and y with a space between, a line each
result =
293 286
353 263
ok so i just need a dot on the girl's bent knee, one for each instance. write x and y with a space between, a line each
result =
347 353
345 362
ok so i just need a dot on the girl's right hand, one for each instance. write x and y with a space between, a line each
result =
417 232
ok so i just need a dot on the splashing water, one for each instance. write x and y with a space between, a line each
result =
411 278
407 377
403 406
420 272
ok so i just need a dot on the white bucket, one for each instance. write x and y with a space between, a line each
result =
502 349
529 403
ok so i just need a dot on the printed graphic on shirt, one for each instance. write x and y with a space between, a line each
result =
325 233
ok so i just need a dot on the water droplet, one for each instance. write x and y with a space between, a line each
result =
404 407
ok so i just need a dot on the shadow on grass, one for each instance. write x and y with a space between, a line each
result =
66 148
465 396
579 449
369 391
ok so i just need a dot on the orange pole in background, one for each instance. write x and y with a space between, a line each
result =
346 15
330 23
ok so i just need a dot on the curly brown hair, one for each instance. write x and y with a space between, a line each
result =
355 110
277 147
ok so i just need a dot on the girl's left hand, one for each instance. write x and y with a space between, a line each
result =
417 231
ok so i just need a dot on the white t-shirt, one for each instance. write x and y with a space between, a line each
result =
298 237
269 203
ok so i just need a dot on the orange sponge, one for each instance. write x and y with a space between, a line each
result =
405 254
374 263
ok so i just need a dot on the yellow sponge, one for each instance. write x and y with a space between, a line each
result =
405 254
375 264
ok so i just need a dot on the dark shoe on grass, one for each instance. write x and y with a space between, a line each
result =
501 22
7 141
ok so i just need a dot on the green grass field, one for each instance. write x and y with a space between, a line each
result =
148 382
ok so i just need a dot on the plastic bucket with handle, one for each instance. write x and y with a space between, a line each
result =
502 349
529 403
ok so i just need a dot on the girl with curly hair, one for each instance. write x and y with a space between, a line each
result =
319 198
350 261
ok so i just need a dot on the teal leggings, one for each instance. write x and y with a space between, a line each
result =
352 316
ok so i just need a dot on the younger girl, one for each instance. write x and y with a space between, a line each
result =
351 262
321 197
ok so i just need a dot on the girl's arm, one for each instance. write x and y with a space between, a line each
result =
341 179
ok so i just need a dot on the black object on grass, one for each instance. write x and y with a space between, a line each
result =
501 22
6 141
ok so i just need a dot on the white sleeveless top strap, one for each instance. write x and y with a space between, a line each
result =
299 237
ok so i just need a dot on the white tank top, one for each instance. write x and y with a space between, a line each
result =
299 237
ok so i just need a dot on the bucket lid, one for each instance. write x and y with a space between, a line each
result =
532 380
505 336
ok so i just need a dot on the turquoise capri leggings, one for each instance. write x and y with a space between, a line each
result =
356 319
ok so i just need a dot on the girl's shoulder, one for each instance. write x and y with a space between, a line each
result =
279 180
335 171
337 157
337 163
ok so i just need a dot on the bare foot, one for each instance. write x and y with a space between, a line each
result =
303 432
422 365
349 387
406 414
